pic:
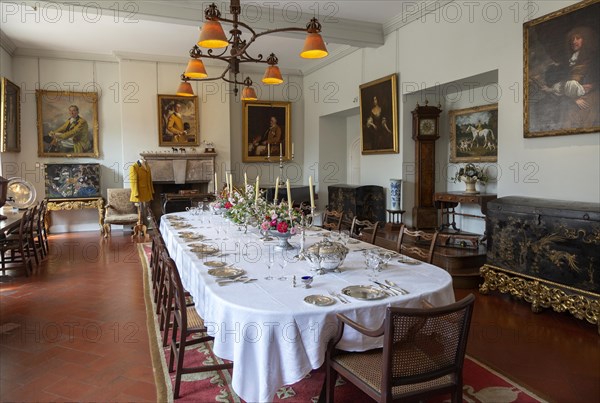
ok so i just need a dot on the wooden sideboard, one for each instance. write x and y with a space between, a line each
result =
546 252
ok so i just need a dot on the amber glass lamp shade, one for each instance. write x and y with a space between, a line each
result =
314 47
248 94
195 69
185 89
272 75
212 36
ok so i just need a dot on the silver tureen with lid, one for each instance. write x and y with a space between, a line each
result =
325 255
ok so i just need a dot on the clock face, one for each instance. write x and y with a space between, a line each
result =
427 126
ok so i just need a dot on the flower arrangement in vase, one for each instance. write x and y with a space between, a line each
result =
470 174
281 218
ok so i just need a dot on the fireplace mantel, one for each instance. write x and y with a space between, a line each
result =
181 168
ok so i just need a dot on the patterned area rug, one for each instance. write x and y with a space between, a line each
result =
481 383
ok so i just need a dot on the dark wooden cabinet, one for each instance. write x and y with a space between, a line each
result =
362 202
546 252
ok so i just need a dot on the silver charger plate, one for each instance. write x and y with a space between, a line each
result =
215 263
203 248
20 193
365 292
226 272
191 236
319 300
353 241
408 260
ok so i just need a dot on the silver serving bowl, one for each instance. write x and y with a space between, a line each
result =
326 255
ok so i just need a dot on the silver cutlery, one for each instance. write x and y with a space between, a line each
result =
395 286
338 296
387 289
241 279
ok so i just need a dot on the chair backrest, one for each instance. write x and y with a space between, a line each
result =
153 221
332 220
177 291
417 244
356 230
118 200
424 344
41 214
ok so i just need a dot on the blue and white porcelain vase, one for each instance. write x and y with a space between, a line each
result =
396 194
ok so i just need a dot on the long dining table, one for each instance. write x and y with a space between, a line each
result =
273 336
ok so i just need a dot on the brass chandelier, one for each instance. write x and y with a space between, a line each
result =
235 51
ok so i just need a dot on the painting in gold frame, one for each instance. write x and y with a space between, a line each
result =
474 134
178 123
561 72
266 131
67 124
379 116
10 124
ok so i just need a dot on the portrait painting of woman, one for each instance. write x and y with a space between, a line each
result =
378 112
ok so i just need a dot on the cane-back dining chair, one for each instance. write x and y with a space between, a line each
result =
186 321
15 246
417 244
423 354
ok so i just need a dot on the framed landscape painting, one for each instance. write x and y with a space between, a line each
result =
562 72
10 120
379 116
474 134
67 124
266 131
178 121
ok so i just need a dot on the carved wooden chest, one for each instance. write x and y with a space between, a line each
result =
546 252
362 202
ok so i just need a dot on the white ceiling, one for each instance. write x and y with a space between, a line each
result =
170 28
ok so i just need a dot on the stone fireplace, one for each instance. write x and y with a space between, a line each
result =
172 173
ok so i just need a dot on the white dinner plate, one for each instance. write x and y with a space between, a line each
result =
226 272
319 300
365 292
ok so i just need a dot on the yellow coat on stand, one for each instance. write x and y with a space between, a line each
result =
140 177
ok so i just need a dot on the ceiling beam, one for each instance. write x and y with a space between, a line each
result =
335 30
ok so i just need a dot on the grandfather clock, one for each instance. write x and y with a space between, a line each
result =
425 132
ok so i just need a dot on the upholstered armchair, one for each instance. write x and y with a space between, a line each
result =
119 210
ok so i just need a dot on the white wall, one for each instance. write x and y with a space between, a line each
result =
441 48
33 73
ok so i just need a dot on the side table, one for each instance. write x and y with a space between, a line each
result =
394 219
76 204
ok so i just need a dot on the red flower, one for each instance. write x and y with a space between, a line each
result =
228 205
282 227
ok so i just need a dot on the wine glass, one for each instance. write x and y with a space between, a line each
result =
283 264
270 262
373 261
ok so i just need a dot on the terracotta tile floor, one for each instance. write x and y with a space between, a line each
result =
77 331
78 326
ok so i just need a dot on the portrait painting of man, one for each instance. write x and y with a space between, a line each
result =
266 128
67 124
178 121
562 72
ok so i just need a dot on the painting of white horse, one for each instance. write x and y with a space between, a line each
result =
474 134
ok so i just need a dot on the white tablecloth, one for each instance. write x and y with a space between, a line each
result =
273 337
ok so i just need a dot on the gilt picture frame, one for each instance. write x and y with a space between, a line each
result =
266 131
474 134
67 124
178 123
379 116
561 72
10 120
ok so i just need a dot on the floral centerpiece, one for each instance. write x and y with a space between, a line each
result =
221 202
281 218
471 174
243 207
